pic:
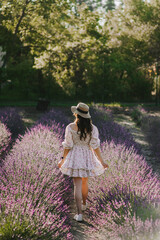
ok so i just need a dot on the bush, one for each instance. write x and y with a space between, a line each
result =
137 115
5 138
33 199
119 196
56 119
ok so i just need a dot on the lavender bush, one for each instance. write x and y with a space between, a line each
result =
5 138
57 119
11 118
122 200
31 189
137 114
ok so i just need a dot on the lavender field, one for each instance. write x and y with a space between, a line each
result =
35 198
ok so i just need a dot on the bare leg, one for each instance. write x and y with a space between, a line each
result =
84 190
78 193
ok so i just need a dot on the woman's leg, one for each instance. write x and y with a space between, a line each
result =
78 193
84 190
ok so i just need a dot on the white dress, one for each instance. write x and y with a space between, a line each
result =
81 160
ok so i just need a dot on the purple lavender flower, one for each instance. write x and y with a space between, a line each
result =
32 189
5 139
118 198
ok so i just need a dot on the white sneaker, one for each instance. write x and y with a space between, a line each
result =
84 207
78 217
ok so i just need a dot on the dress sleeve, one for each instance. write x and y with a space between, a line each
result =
95 141
68 141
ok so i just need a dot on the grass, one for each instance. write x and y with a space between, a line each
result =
147 212
18 103
53 103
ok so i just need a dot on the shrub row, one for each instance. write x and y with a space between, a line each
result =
32 189
5 138
57 119
122 200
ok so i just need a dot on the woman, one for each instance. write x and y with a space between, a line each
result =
81 157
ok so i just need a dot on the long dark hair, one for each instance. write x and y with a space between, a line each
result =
84 126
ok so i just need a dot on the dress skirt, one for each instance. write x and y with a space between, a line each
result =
82 162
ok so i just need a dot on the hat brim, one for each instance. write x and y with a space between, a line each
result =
84 115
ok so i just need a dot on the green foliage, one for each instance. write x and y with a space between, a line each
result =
110 5
13 229
79 49
147 212
138 114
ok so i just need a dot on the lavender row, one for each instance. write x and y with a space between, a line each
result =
5 139
122 200
12 120
57 119
32 189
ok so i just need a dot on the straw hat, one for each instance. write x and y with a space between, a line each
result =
81 109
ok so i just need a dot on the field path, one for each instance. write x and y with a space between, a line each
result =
29 115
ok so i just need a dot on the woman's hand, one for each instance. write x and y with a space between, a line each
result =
65 153
98 153
60 163
105 165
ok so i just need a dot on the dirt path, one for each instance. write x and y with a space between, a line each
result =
79 228
29 115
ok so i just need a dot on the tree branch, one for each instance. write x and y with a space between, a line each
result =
21 17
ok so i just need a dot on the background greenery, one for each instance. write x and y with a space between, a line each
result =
82 49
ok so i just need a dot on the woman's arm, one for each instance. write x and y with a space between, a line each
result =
98 153
65 152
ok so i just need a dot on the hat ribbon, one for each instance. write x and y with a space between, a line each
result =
81 111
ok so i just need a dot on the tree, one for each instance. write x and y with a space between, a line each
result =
69 55
134 30
82 51
92 4
110 5
35 24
